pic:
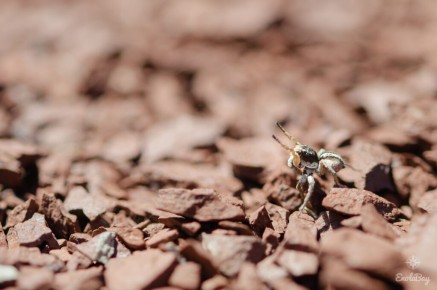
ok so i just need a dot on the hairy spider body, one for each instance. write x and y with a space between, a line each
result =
305 158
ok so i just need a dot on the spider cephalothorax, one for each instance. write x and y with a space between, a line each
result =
305 158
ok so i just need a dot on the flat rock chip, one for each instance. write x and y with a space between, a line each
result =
22 212
34 232
163 236
132 238
62 223
32 278
371 167
413 182
298 263
259 220
373 223
363 252
248 278
280 188
78 199
186 276
29 256
337 274
215 283
141 270
420 242
100 248
269 271
192 250
250 157
279 217
201 204
81 279
301 233
191 228
230 252
431 156
349 201
428 202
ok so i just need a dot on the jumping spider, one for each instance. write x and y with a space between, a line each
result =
308 161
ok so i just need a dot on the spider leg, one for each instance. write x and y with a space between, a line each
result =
300 185
287 134
333 172
311 183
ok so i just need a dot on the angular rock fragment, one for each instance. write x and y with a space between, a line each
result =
428 202
337 274
22 212
62 223
413 182
201 204
279 217
363 252
301 233
230 252
29 256
248 278
280 188
419 244
271 240
81 279
215 283
132 238
250 157
191 228
34 232
373 223
100 248
269 271
186 276
78 261
161 237
298 263
370 167
142 270
31 278
260 220
192 250
349 201
78 199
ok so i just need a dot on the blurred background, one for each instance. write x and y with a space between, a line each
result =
146 76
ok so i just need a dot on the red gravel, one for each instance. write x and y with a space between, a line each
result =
136 150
